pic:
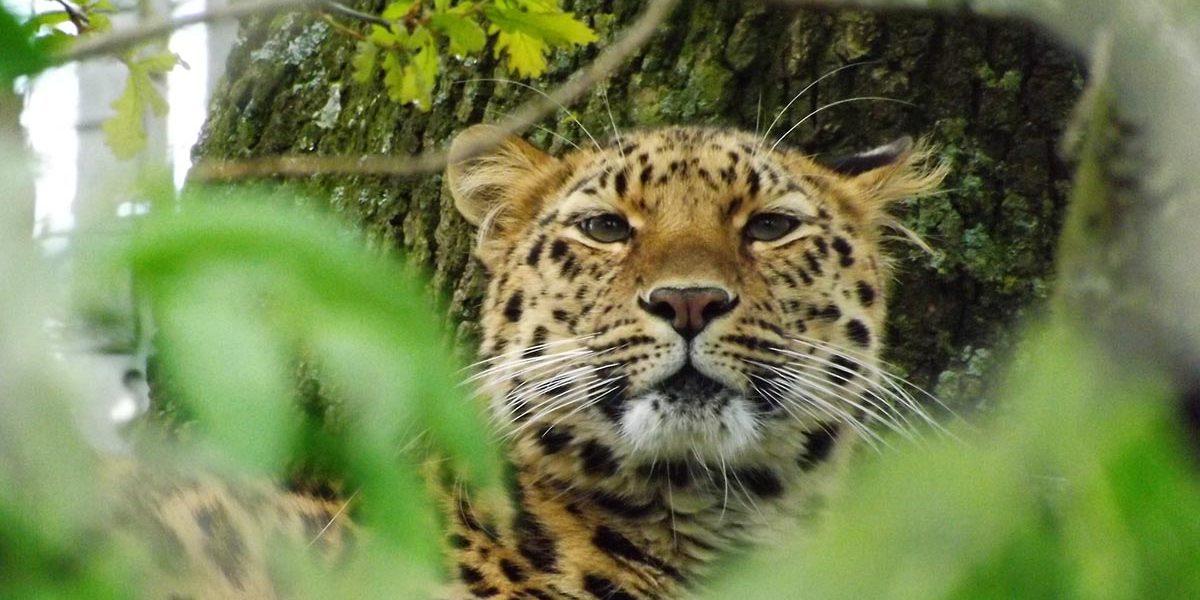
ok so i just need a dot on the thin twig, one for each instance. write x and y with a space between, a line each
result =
122 40
78 18
633 38
338 8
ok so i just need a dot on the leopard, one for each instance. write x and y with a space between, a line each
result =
679 343
680 337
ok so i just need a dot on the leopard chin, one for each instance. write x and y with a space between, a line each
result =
690 415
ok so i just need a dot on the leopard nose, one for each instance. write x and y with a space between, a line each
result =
689 310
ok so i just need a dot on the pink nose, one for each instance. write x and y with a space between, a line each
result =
689 310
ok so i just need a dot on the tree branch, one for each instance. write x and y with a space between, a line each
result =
631 40
340 9
122 40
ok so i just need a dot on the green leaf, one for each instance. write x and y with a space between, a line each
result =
559 29
540 5
99 23
412 77
464 34
124 132
421 72
151 98
159 63
366 59
53 42
393 75
526 54
46 19
20 55
527 36
385 37
398 10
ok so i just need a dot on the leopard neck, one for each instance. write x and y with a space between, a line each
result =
586 514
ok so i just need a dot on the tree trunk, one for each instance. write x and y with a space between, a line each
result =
993 96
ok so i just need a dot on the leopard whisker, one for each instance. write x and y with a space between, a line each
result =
725 493
767 133
773 391
519 352
547 130
794 394
534 414
590 400
794 376
520 395
571 115
897 385
862 359
831 105
884 385
870 393
616 131
584 401
883 416
748 497
528 365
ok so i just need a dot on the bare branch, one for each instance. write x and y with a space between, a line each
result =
122 40
630 41
337 8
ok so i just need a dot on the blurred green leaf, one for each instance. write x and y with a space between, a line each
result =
1083 491
366 56
18 55
464 34
306 285
396 11
125 131
410 73
386 37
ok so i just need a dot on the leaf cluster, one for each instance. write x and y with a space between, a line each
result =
409 52
239 289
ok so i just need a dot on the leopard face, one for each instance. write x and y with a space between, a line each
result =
682 295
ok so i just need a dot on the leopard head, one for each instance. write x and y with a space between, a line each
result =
683 294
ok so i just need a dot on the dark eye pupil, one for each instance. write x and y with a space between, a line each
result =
606 228
769 227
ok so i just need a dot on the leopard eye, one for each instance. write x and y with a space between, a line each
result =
768 227
606 228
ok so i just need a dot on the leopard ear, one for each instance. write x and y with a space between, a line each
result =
875 158
486 169
895 171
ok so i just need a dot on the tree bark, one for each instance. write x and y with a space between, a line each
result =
994 96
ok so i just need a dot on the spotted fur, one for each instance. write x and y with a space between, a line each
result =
644 449
666 395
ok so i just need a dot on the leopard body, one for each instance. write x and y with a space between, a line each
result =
679 342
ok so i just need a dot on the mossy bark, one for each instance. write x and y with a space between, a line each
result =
993 96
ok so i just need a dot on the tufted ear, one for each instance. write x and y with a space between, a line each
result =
488 169
895 171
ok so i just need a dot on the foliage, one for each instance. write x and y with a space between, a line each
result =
1083 490
525 30
125 131
408 51
240 290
